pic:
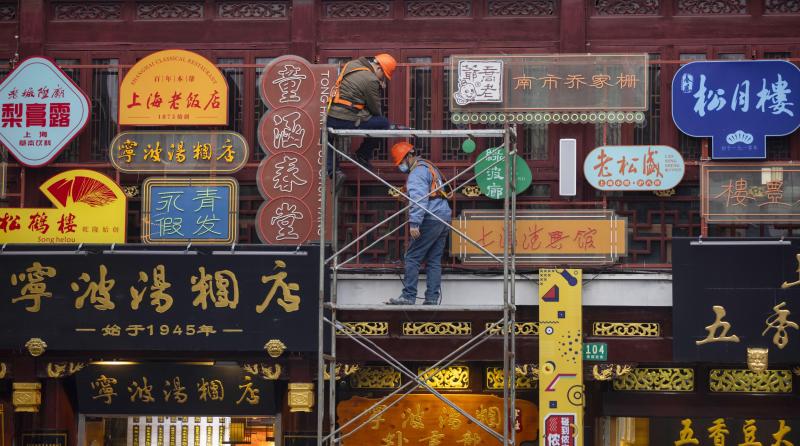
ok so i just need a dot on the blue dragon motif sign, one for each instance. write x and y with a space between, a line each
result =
737 103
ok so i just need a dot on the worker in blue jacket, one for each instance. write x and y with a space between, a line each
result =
428 234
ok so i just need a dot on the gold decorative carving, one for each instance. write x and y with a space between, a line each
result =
796 371
367 328
664 193
3 370
394 192
36 346
757 359
472 190
656 380
275 347
748 381
437 328
607 372
301 397
130 191
454 377
520 328
526 381
26 397
626 329
62 369
265 371
376 377
342 371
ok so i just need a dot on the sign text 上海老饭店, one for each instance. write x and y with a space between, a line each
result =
139 300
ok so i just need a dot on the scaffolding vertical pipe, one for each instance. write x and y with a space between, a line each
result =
512 352
507 190
321 296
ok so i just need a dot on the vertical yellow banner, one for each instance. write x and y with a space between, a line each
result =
560 358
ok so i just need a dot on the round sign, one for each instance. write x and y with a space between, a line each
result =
492 179
287 80
287 128
285 174
468 146
284 221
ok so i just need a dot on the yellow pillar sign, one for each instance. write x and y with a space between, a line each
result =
89 208
561 374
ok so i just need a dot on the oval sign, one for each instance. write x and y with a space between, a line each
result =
180 151
490 170
633 168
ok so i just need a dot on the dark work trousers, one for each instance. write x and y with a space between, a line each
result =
367 147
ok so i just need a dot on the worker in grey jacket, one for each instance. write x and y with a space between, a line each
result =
428 234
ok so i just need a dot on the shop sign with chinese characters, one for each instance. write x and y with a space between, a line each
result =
42 111
425 420
130 300
173 87
535 82
177 389
633 168
179 152
731 296
561 393
288 178
543 237
737 103
756 193
723 431
88 207
196 210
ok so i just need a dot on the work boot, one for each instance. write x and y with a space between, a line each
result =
367 164
338 181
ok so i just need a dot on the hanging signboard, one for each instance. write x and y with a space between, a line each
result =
89 208
180 151
737 103
757 193
633 168
491 174
587 237
190 210
424 419
167 300
289 177
733 295
44 438
719 430
42 111
561 392
173 87
481 86
175 389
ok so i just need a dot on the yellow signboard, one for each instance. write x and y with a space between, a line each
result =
173 87
560 236
425 420
561 392
89 208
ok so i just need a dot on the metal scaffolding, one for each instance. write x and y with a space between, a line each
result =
505 325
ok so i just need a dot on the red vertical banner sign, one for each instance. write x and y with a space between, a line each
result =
288 178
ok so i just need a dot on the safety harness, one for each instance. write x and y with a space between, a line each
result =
335 98
436 178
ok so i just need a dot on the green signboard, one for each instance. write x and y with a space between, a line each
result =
492 179
595 351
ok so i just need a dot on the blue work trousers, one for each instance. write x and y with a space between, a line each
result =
368 146
429 246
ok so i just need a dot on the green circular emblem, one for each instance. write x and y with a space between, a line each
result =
492 180
468 146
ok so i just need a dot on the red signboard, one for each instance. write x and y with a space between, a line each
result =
559 430
289 177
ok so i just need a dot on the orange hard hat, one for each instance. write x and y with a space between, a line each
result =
399 151
387 63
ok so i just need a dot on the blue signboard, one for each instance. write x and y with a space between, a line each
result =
633 168
196 210
737 103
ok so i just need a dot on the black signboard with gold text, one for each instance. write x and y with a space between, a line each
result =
723 431
205 300
44 438
731 295
173 389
